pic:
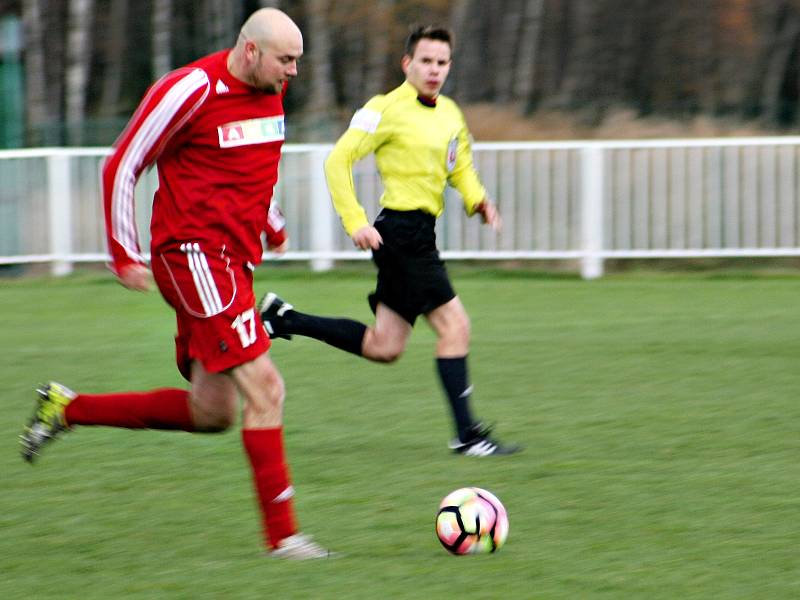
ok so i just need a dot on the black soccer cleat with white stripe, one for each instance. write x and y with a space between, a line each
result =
273 310
478 442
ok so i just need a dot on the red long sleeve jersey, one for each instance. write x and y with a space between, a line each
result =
216 142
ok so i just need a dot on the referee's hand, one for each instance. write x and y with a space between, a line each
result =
490 215
367 237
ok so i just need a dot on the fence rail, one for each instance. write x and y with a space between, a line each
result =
583 201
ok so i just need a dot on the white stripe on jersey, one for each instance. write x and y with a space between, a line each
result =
146 137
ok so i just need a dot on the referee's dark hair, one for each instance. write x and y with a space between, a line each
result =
427 32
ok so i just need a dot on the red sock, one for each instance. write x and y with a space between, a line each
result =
159 409
264 447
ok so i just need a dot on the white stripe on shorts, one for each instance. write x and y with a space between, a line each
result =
203 280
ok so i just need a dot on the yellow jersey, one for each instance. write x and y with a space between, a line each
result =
418 150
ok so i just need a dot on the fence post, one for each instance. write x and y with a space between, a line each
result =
59 207
592 185
322 221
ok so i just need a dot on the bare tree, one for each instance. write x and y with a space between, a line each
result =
782 38
77 69
348 62
114 57
321 96
580 70
525 65
507 48
161 46
36 79
216 19
378 46
670 58
467 20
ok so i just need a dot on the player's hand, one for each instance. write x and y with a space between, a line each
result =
135 277
490 215
280 248
367 237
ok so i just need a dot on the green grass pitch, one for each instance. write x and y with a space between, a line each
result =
660 415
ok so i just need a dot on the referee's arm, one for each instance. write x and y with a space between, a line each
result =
465 179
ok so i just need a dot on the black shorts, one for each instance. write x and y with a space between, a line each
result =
412 279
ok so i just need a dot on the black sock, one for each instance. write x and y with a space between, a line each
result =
345 334
453 375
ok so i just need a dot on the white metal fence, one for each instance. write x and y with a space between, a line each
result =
586 201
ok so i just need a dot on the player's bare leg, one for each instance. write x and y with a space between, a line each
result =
386 340
452 327
214 399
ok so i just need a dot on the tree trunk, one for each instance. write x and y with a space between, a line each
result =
349 59
378 50
79 45
467 57
321 100
525 71
736 55
707 68
580 73
35 77
115 53
629 49
784 42
217 20
553 56
507 49
161 38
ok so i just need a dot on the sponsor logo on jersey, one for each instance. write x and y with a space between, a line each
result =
252 131
366 120
452 154
221 87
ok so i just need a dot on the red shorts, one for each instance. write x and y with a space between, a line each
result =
212 295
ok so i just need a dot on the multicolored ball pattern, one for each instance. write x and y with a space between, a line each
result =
471 520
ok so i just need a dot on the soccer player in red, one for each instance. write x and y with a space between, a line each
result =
215 129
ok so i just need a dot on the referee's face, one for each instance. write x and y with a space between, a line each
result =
428 68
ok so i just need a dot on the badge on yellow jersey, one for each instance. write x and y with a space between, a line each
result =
452 154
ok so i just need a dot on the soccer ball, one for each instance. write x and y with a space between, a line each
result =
471 520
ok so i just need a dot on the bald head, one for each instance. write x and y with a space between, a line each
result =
266 53
268 24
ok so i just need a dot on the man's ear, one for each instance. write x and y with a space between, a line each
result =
404 62
251 50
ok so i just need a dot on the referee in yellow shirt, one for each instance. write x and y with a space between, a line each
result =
421 143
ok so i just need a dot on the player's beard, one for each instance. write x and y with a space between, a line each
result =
271 89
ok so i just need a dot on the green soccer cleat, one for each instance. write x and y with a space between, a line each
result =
48 419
